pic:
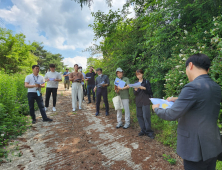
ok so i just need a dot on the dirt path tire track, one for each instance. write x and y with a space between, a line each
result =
84 141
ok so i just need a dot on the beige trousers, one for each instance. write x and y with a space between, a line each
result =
77 91
127 112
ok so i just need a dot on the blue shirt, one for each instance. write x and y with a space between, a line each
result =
66 77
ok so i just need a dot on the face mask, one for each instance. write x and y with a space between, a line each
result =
80 69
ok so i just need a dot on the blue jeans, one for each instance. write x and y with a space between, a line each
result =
32 97
89 89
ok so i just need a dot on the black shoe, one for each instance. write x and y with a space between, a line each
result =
107 114
47 120
141 134
88 102
151 136
34 121
97 114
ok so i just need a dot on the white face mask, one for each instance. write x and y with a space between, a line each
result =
80 69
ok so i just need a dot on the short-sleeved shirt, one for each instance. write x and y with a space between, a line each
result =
76 75
32 79
101 79
91 80
124 94
84 76
55 75
66 77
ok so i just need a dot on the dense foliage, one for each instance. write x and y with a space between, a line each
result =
13 108
16 58
159 40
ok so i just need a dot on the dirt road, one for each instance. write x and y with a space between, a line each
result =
81 140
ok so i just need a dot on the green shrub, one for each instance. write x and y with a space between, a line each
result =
13 108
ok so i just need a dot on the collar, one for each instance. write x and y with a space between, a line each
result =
34 75
100 75
202 76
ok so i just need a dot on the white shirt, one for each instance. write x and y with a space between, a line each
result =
84 76
31 79
55 75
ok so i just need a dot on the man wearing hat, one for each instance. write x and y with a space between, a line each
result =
66 80
124 95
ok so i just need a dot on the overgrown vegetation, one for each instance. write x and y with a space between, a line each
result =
159 40
16 58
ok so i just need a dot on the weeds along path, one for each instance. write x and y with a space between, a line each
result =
81 140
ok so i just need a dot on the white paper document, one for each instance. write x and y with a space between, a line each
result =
136 85
51 79
163 103
119 82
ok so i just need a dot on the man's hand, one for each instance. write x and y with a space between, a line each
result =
104 85
86 79
172 99
38 85
120 88
155 106
47 79
94 89
135 89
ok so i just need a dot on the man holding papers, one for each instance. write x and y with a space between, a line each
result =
53 78
102 81
77 79
122 89
143 93
34 82
90 78
196 109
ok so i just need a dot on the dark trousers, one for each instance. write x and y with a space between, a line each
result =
32 97
101 92
209 164
89 89
48 94
144 119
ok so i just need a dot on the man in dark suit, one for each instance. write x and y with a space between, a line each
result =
196 109
101 84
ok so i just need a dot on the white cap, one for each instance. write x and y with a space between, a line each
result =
119 69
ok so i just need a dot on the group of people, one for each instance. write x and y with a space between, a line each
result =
196 109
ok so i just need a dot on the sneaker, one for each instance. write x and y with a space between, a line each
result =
34 121
46 109
73 110
126 126
119 125
47 120
97 113
141 134
80 108
54 109
65 89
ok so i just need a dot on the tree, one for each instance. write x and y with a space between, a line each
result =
15 54
45 58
